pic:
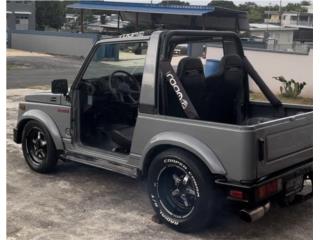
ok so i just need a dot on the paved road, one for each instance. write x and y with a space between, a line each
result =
26 69
81 202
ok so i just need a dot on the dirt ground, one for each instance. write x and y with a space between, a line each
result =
81 202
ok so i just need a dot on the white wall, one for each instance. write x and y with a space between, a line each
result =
270 64
55 43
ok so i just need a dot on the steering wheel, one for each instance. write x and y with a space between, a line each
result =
125 89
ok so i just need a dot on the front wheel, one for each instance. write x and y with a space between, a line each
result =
38 147
181 190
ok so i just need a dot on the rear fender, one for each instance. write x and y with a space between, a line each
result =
46 120
187 142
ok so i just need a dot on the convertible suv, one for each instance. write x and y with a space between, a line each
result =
174 108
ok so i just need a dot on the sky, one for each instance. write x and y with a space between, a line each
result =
205 2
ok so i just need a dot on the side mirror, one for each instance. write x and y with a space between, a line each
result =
59 86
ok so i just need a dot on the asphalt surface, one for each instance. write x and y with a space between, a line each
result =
81 202
29 69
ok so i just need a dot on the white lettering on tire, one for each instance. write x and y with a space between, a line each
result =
154 201
168 219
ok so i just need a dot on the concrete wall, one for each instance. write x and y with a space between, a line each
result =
71 44
270 64
281 36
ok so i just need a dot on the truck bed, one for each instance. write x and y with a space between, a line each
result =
282 141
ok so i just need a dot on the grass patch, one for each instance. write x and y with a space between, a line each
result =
13 66
299 100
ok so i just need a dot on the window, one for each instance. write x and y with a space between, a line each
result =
293 18
129 57
303 18
22 19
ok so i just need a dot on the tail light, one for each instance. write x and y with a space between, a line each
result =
269 189
236 194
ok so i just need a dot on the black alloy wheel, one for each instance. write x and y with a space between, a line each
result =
181 190
38 147
177 190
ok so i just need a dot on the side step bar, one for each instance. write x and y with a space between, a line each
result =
101 163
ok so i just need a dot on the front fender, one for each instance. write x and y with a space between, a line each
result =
189 143
46 120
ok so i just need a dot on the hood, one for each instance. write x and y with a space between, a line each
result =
48 98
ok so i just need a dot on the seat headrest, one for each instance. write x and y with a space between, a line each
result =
188 64
230 61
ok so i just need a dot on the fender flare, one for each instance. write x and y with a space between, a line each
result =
186 142
46 120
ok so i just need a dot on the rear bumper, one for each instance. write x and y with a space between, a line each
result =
249 190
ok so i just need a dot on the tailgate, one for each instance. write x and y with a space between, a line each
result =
284 143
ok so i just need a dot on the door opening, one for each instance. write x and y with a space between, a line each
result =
109 96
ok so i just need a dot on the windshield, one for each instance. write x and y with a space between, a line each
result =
129 57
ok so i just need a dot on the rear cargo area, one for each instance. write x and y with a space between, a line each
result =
260 112
282 140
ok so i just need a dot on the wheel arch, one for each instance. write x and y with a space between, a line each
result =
183 141
45 120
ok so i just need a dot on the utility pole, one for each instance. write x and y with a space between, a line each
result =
81 21
280 12
280 5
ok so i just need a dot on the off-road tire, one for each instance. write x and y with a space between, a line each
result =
204 204
49 155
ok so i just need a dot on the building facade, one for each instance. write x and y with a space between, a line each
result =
303 19
272 17
21 15
275 36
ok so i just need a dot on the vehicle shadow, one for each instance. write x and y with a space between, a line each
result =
276 224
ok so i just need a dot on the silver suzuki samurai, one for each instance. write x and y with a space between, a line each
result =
174 108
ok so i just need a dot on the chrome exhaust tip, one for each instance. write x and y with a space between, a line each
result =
253 215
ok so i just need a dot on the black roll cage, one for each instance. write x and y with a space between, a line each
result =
231 45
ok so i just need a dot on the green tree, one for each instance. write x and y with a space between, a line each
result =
50 14
255 12
174 2
247 5
222 3
305 3
294 7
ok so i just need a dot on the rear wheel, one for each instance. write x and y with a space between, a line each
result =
181 190
38 147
